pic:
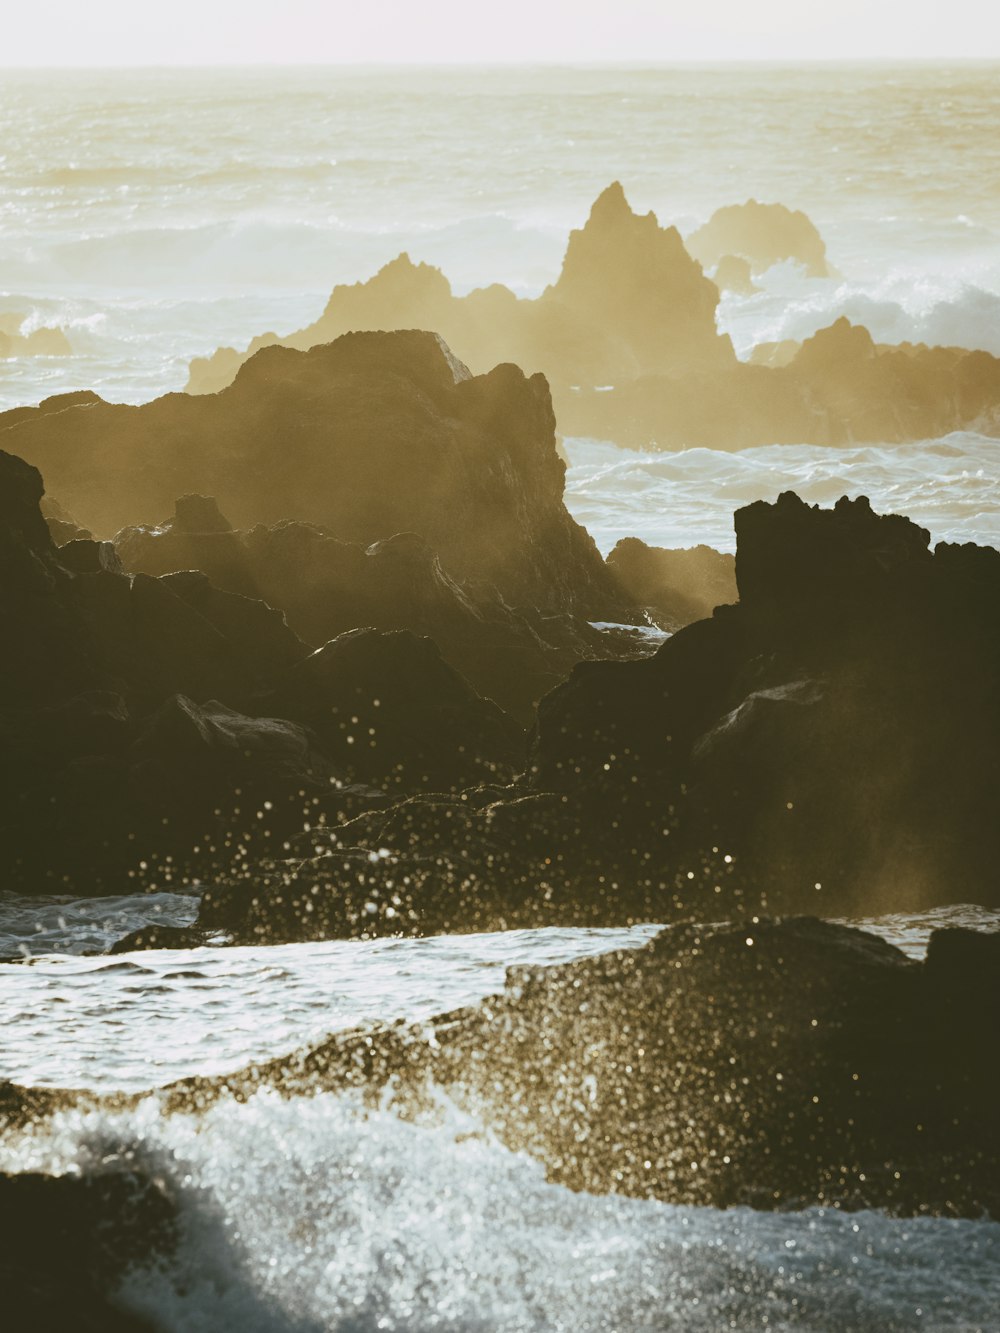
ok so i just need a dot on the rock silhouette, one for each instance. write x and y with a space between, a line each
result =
629 301
138 737
674 588
627 339
372 435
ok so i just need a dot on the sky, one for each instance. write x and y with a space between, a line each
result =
184 32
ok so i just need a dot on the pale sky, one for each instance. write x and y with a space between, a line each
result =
183 32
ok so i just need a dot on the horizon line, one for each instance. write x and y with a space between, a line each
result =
677 62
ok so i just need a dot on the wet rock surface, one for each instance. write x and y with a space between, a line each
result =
772 1063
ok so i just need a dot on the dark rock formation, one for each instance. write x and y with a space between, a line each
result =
138 741
326 587
674 587
370 436
776 1064
67 1241
829 742
762 234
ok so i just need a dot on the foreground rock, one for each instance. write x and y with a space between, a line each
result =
830 741
67 1241
156 730
373 435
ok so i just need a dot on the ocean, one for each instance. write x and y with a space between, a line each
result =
154 215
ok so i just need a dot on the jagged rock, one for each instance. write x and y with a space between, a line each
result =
83 555
369 436
674 587
326 587
829 743
137 741
763 234
629 300
63 527
776 1064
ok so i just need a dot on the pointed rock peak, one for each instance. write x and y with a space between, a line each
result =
611 204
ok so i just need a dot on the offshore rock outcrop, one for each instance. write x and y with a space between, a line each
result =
829 743
763 235
369 436
838 388
327 587
139 740
629 301
627 339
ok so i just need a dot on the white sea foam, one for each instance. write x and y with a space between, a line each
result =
309 1215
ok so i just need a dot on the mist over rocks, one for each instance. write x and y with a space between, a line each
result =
327 587
761 234
629 300
839 388
628 341
369 436
674 587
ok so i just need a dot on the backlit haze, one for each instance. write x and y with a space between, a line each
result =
117 32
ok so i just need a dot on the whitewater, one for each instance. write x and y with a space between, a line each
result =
155 215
